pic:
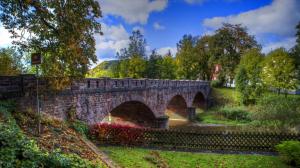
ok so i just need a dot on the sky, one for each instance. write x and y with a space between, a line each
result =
164 22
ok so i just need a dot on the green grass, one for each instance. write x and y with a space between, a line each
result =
210 118
144 158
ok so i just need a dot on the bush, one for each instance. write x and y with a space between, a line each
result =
80 127
290 152
123 134
235 113
216 83
283 111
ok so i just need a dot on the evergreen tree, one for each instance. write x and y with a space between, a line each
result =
153 65
168 67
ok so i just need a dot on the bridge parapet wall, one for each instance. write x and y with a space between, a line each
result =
17 86
110 84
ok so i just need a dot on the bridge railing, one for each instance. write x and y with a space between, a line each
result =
16 86
129 83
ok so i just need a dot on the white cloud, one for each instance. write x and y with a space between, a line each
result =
165 50
141 29
5 39
158 26
287 43
115 38
133 11
280 17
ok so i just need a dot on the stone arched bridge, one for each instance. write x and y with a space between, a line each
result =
144 100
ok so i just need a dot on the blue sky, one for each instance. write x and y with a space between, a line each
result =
164 22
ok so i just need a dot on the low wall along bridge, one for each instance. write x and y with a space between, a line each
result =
145 102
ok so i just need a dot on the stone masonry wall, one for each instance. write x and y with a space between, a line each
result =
93 99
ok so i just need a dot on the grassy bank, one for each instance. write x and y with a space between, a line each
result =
144 158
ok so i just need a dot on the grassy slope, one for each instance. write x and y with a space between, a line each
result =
137 157
56 135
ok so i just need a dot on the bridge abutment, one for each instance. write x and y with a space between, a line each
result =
191 113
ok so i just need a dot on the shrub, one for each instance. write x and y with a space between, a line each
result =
235 113
123 134
80 127
216 83
284 111
290 152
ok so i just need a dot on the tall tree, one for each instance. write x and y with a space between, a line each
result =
137 67
249 71
153 65
168 67
230 41
10 62
62 31
295 52
186 58
279 70
203 57
132 59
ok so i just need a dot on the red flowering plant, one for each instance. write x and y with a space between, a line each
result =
117 133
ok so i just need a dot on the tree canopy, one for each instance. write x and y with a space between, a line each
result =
10 62
229 43
279 70
62 31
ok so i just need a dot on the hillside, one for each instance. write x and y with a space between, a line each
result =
59 145
104 69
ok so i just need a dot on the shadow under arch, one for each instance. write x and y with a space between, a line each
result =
177 108
131 113
199 101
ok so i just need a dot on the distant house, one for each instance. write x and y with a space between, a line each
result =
216 71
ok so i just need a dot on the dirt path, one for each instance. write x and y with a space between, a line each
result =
103 156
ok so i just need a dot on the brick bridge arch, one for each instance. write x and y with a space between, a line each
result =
93 99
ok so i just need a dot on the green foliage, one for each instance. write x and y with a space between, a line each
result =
153 66
235 113
225 96
19 151
295 51
229 42
289 152
62 31
10 62
168 67
136 67
138 157
241 81
216 83
279 70
132 59
80 127
203 51
281 111
248 81
186 58
105 69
